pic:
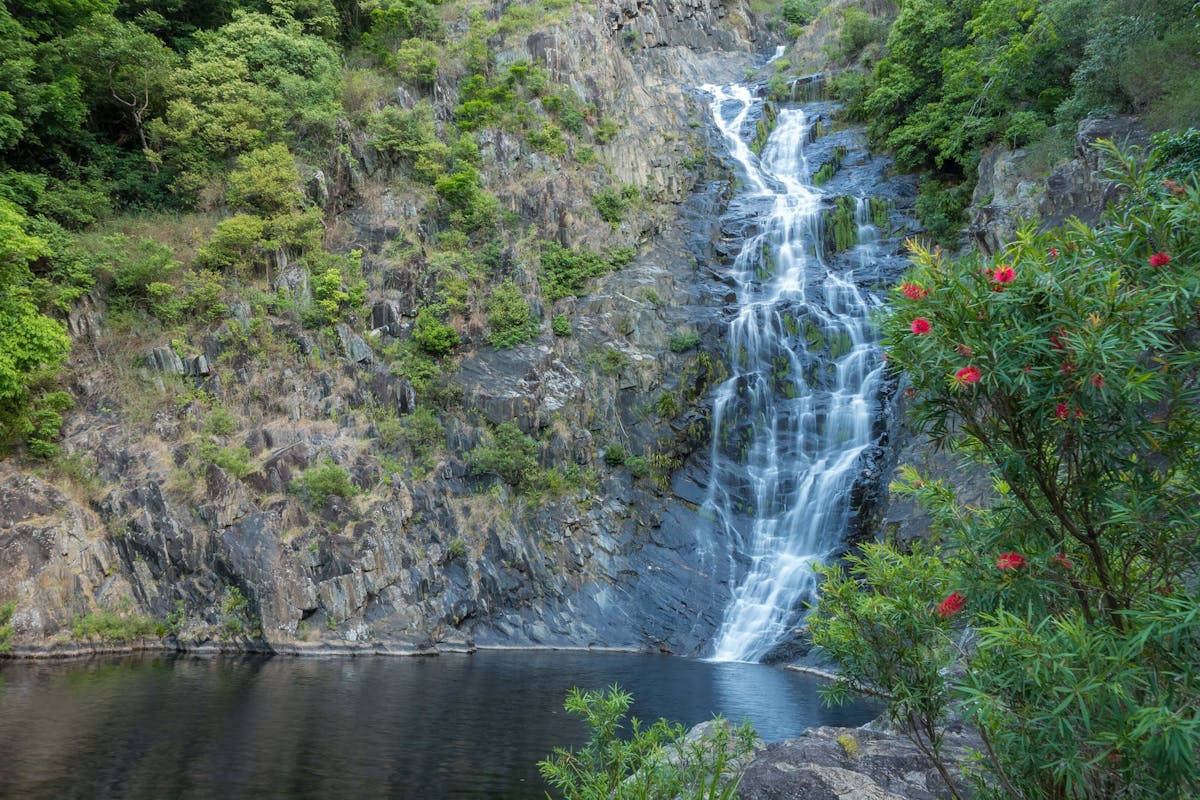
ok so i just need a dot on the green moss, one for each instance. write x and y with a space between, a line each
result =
763 128
841 225
830 167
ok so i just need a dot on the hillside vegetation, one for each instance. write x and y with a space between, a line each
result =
938 81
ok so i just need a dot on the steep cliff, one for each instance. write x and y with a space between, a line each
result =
265 483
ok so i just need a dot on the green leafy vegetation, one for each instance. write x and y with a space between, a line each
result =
959 75
1065 368
683 341
510 319
317 485
625 759
508 454
6 628
565 272
234 606
108 626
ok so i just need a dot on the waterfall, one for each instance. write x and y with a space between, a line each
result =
790 424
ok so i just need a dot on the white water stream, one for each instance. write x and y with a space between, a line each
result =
790 424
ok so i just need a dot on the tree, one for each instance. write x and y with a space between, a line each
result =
32 345
126 67
1069 368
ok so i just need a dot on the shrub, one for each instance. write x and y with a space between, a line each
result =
111 627
422 432
655 761
509 317
561 325
566 272
611 204
509 455
6 628
683 341
941 207
431 334
1066 368
316 485
265 182
798 12
234 460
638 466
614 455
417 62
233 611
410 138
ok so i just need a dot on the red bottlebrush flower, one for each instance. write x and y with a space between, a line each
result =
967 375
1160 259
1053 253
920 326
1067 367
964 350
1079 413
1056 338
1061 411
1010 561
1098 381
912 291
1004 274
953 604
1061 561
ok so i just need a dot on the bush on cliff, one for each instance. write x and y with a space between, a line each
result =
1069 367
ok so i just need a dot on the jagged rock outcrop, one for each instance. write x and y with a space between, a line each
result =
186 496
1006 196
847 764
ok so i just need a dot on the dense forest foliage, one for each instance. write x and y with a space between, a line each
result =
173 156
952 77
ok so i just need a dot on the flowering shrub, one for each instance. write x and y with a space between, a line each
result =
1077 579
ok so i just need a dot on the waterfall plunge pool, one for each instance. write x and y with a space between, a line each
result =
373 727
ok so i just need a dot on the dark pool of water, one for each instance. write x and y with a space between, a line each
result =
436 728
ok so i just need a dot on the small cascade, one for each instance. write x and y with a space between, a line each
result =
791 422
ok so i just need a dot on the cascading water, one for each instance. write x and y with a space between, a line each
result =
790 424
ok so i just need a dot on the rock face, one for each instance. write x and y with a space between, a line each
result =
184 505
1005 196
845 764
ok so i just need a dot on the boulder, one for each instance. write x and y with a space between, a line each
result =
846 764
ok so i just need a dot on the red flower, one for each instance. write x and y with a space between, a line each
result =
964 350
1004 274
1067 367
920 326
1010 561
1061 411
1056 338
953 604
1060 560
1160 259
912 291
1053 252
967 375
1098 381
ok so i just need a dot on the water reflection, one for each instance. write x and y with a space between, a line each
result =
448 727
